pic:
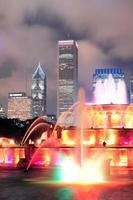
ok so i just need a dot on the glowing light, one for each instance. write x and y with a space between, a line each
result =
126 142
88 173
1 160
70 171
101 139
44 135
112 163
123 162
115 115
30 141
38 141
47 159
8 161
12 142
16 158
92 139
123 159
92 172
89 142
70 142
64 137
116 119
4 143
39 162
66 140
112 139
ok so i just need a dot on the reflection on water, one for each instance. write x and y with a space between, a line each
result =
65 194
16 184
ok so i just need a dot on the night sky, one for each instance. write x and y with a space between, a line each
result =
29 31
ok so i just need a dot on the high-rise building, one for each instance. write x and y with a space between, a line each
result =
2 112
39 92
131 89
109 86
67 74
19 106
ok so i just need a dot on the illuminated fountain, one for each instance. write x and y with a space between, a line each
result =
109 91
83 143
84 168
88 138
18 155
10 153
83 140
30 146
73 155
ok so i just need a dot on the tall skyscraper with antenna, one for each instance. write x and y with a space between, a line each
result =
67 74
39 92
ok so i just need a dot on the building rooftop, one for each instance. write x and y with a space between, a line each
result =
39 72
108 71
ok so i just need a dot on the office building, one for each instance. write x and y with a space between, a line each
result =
2 112
39 92
19 106
67 75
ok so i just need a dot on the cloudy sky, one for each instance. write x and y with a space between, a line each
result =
29 31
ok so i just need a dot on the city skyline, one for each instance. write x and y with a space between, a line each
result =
39 70
29 32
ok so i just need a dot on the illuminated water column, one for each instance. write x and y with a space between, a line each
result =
108 81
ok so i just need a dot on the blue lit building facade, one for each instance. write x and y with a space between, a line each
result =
39 92
104 73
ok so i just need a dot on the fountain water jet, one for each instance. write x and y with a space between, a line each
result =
80 126
105 88
36 124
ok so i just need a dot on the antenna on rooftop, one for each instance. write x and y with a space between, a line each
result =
26 81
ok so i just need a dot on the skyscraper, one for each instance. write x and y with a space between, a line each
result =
109 86
131 89
19 106
39 92
67 74
2 112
